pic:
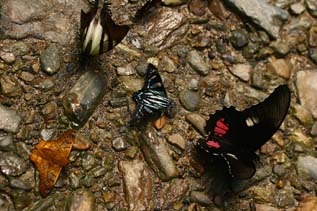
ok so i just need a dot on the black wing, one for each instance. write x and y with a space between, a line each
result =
152 101
146 9
235 135
261 121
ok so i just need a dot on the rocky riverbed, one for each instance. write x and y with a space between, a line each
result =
210 54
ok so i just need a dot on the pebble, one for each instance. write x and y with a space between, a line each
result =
6 143
196 61
82 200
264 207
189 99
20 184
174 2
262 14
284 198
138 184
297 8
83 98
81 142
26 76
119 144
307 89
242 71
239 39
19 48
263 194
131 84
88 161
197 7
312 7
280 67
198 122
10 86
8 58
200 198
50 59
193 84
307 167
303 115
157 155
167 64
178 140
312 37
312 54
308 203
11 164
10 120
280 47
127 70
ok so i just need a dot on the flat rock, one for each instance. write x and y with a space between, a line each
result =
242 71
10 120
157 155
28 18
138 185
198 122
263 14
197 62
307 89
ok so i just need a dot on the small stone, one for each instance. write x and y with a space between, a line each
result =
264 207
263 194
312 54
11 164
178 140
50 59
88 161
279 170
239 39
20 184
193 84
307 89
10 120
160 122
307 167
303 115
197 7
280 47
47 134
8 58
284 198
131 84
81 142
82 200
189 99
200 198
127 70
10 86
242 71
119 144
198 122
280 67
312 37
131 152
297 8
167 64
26 76
196 61
312 7
109 197
6 143
19 48
308 203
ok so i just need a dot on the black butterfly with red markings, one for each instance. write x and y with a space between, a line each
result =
152 101
99 33
234 136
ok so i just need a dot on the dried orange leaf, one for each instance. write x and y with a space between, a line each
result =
160 122
49 158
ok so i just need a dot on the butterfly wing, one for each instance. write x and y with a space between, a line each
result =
261 121
152 101
113 33
146 9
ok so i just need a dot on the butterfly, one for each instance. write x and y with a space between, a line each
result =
152 101
99 33
234 136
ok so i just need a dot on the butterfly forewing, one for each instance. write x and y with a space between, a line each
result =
261 121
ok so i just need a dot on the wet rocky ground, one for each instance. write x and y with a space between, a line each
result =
209 54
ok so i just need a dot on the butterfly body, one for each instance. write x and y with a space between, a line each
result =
152 101
99 33
234 136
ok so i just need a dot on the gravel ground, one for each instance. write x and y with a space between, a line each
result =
210 54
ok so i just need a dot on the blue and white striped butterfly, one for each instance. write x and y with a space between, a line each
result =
152 101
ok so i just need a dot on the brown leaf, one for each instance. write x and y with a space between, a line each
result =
49 158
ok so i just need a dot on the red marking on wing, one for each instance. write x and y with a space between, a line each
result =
213 144
221 127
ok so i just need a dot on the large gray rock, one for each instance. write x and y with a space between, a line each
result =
138 185
81 101
29 18
263 14
307 89
10 120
